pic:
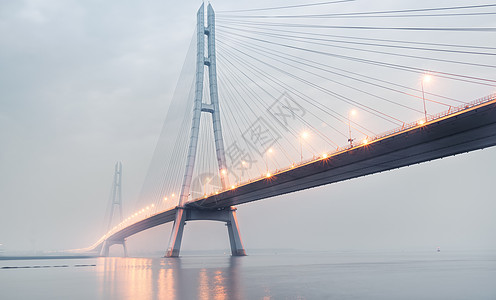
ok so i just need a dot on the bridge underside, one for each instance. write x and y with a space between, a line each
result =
466 131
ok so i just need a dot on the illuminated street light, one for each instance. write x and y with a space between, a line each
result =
350 113
426 78
270 151
207 180
303 136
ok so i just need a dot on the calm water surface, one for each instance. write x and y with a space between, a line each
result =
295 275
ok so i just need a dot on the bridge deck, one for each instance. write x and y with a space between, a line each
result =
471 129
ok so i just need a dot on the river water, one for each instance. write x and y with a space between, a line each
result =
269 275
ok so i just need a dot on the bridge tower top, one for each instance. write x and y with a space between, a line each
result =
116 194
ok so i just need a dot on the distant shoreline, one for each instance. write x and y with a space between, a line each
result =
35 257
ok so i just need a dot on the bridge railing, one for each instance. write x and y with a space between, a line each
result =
452 110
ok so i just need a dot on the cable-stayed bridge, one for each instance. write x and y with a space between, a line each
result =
267 113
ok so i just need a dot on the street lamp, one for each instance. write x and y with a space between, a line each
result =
269 151
350 113
425 79
303 136
207 180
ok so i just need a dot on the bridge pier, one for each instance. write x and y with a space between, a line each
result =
106 247
227 215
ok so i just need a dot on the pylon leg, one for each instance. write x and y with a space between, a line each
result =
105 249
177 234
124 248
237 248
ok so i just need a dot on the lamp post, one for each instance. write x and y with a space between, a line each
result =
425 79
269 151
350 113
303 136
207 180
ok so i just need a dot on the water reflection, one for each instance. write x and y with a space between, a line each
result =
215 278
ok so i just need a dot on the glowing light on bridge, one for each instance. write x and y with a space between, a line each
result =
426 78
303 136
350 114
268 175
324 155
365 141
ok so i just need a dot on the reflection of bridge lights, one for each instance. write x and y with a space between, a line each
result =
165 198
153 205
223 172
173 195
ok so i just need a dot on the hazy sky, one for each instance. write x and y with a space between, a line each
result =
86 83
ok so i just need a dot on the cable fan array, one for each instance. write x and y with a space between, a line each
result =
323 78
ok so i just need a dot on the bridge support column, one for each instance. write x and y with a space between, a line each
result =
183 214
227 215
106 247
177 234
237 248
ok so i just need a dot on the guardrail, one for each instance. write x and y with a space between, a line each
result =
452 110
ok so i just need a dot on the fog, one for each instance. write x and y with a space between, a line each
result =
84 84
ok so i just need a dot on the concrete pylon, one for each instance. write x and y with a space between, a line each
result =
115 200
183 214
